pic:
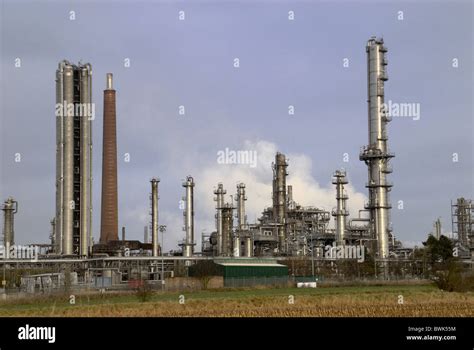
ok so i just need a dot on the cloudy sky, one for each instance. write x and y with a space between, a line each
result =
283 62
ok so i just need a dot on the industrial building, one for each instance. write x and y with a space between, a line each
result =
284 230
462 218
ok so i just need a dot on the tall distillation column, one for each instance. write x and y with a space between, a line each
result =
10 207
227 225
188 245
242 233
376 154
74 110
340 213
219 192
154 215
279 198
241 198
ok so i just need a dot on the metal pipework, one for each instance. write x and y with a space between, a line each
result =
340 214
123 233
10 207
109 205
188 246
241 198
154 215
279 198
219 192
376 154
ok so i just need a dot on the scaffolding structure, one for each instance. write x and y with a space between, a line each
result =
462 218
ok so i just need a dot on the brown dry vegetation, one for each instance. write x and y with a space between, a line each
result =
373 301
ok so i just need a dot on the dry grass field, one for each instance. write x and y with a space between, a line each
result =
421 300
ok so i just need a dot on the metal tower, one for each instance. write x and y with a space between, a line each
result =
376 154
279 198
73 159
340 213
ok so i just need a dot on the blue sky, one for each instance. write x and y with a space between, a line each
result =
282 63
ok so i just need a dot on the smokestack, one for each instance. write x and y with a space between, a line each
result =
123 233
188 246
279 198
219 192
154 215
10 207
109 214
339 179
376 154
109 81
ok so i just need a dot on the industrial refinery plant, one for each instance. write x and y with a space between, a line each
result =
285 232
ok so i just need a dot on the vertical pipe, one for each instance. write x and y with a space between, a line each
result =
219 192
145 234
154 215
236 246
290 194
90 163
85 158
241 222
68 161
53 233
123 233
248 247
59 156
188 250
